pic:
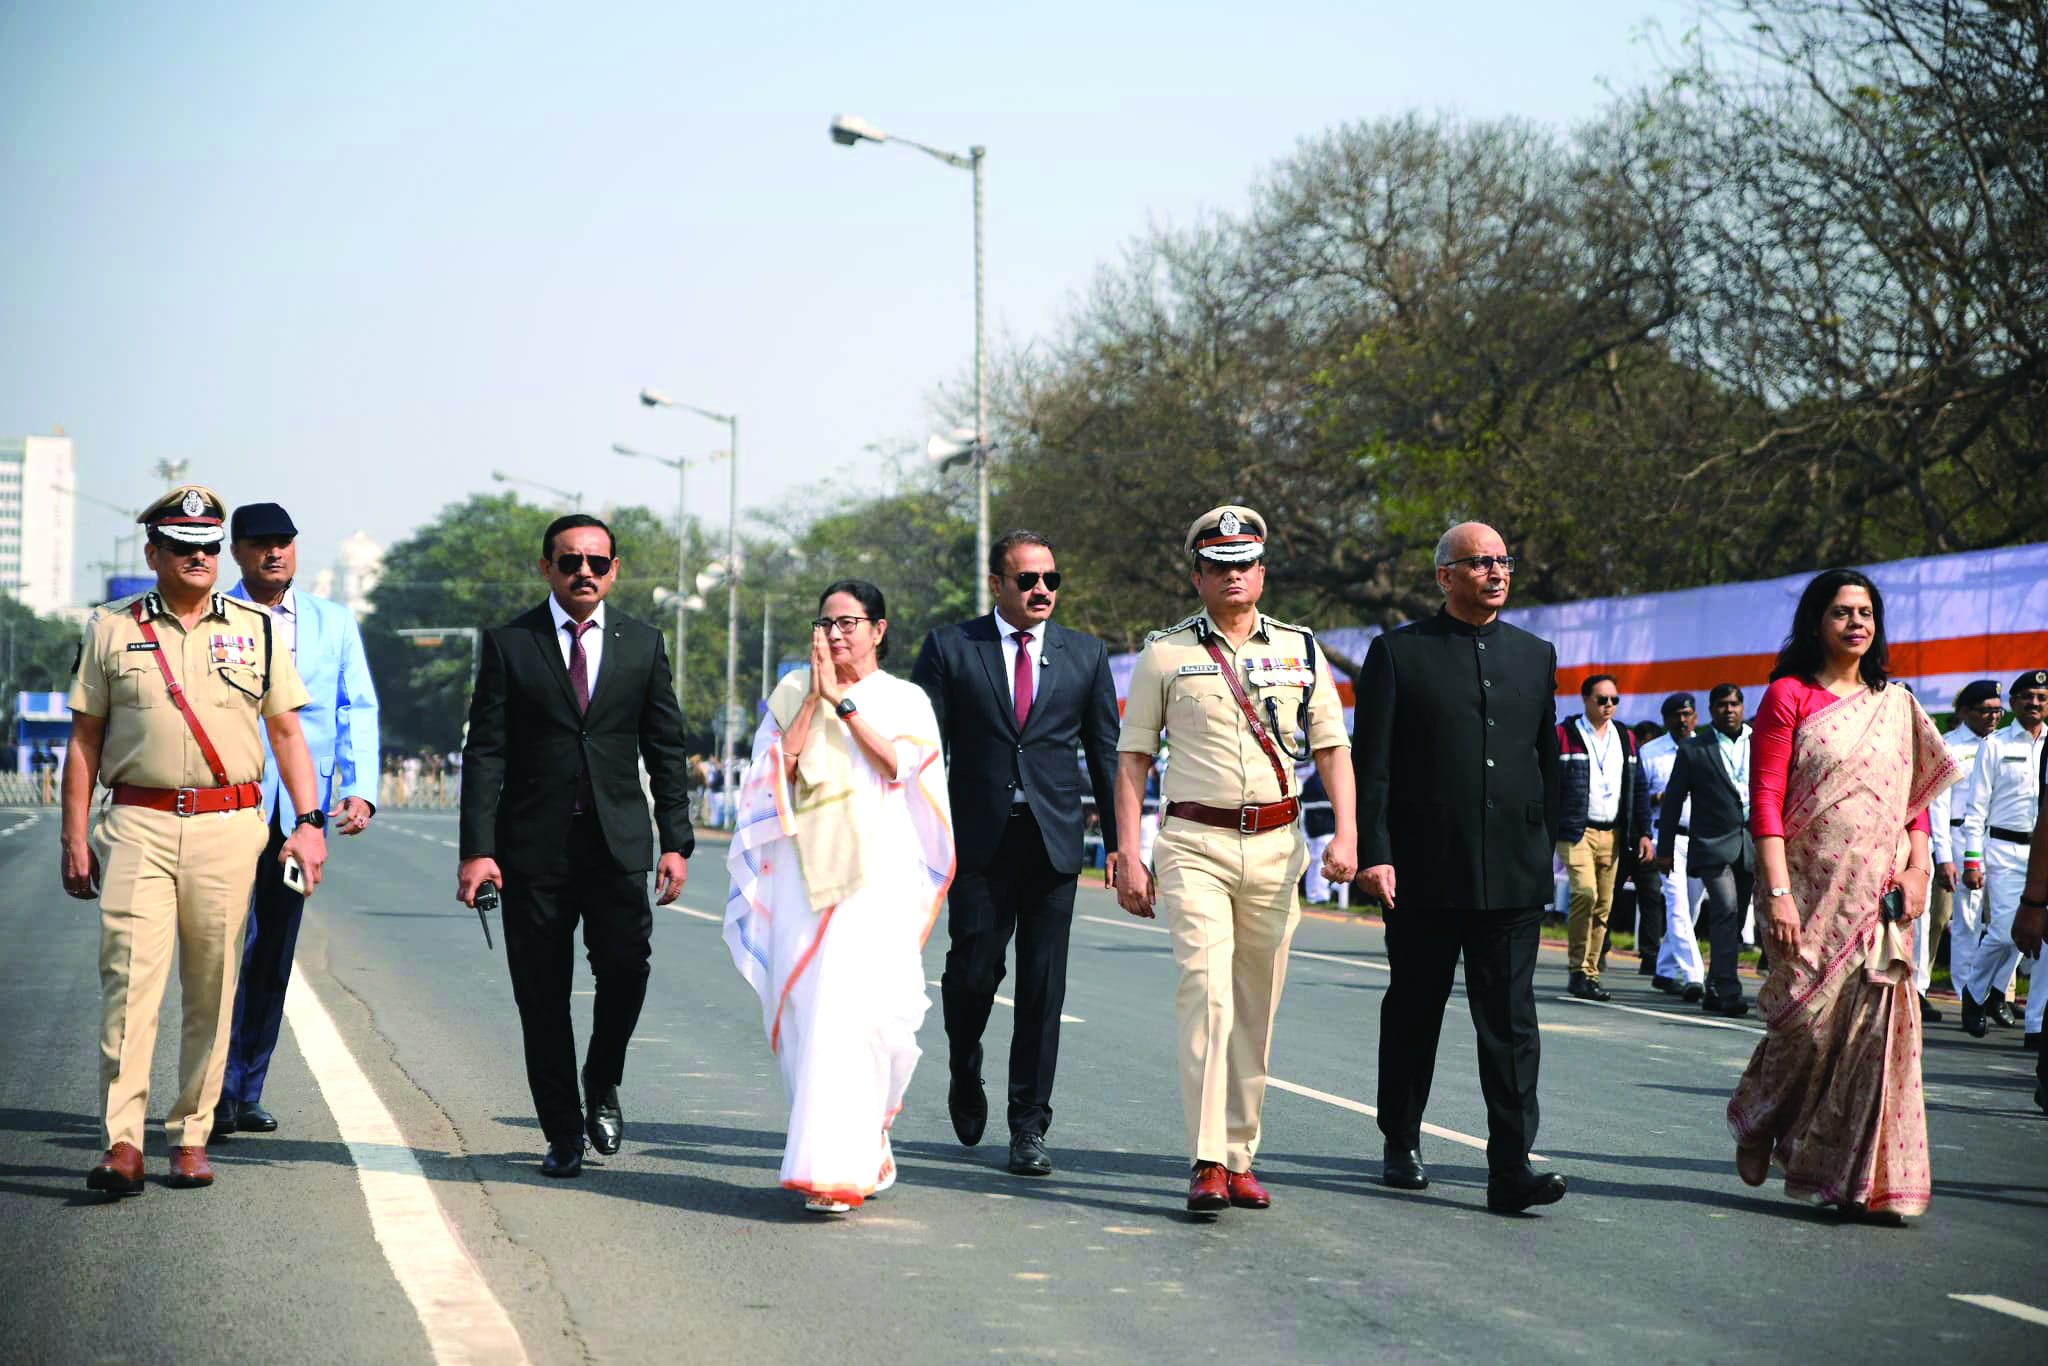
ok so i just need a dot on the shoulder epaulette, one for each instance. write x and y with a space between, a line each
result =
1185 623
242 603
1291 626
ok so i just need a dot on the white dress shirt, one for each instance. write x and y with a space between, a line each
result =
1603 765
1945 812
593 641
1735 759
1657 759
1008 634
2005 790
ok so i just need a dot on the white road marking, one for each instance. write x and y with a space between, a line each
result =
2000 1304
464 1321
1665 1015
1360 1107
701 915
1006 1001
1129 922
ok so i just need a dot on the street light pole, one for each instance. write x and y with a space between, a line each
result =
575 500
849 131
681 465
655 399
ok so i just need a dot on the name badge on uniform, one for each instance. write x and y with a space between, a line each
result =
1186 669
141 645
242 650
1287 671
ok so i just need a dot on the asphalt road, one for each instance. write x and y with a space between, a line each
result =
682 1248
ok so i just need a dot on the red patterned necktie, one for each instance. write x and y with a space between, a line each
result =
579 678
1023 688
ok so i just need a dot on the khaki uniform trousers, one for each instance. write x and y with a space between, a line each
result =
1229 903
170 882
1590 866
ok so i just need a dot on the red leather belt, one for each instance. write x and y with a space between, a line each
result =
190 801
1246 820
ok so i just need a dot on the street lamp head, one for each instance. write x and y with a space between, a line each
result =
654 398
500 475
621 448
848 129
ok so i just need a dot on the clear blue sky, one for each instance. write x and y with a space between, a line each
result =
354 259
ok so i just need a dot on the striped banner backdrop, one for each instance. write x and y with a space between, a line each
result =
1949 619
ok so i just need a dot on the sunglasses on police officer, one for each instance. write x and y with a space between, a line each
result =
569 563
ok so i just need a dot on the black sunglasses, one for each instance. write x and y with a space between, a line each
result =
570 562
1029 580
183 549
1602 701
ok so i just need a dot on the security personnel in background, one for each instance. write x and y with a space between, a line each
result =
1998 825
1242 697
169 697
1978 707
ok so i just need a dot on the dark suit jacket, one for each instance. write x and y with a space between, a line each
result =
1455 750
527 741
1073 704
1715 836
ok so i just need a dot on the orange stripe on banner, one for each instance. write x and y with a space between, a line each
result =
1998 656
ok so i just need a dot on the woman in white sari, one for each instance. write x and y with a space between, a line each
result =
840 862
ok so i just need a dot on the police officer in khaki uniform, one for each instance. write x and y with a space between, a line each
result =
169 691
1242 698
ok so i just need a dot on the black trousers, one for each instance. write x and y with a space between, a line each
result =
540 915
275 911
1649 889
1500 974
1728 889
1019 891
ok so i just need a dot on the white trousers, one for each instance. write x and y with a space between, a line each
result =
1965 923
1678 957
1996 956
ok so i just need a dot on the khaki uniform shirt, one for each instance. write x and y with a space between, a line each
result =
220 665
1178 688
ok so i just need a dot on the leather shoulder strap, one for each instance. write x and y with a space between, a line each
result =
1244 704
163 663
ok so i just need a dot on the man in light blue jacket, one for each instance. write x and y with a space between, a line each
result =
340 724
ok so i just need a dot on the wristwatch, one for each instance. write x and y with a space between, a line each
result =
845 708
315 818
1777 892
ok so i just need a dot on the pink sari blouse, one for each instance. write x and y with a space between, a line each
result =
1787 704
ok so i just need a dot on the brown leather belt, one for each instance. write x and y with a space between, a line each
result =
190 801
1246 820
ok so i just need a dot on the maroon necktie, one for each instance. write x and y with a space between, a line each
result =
579 678
1023 688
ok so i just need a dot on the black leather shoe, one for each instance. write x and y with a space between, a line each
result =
1402 1169
563 1159
2032 1043
1928 1014
1028 1156
1514 1191
1666 984
1647 967
1588 989
1973 1017
1693 994
601 1117
223 1120
1734 1007
252 1118
968 1105
1999 1013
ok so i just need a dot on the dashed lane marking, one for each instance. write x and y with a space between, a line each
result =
464 1321
1006 1001
1664 1015
1999 1304
1361 1108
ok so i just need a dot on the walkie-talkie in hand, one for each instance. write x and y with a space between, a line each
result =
486 900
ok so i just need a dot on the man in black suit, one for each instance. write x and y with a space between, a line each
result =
1016 694
1456 750
1713 770
569 699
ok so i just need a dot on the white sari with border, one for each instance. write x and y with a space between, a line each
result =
842 987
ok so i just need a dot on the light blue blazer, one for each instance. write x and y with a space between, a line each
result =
341 721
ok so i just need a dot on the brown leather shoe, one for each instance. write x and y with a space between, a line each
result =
1245 1191
1209 1188
119 1172
189 1167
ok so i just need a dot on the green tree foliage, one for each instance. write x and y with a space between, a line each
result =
36 654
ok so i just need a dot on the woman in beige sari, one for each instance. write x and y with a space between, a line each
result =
1843 766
